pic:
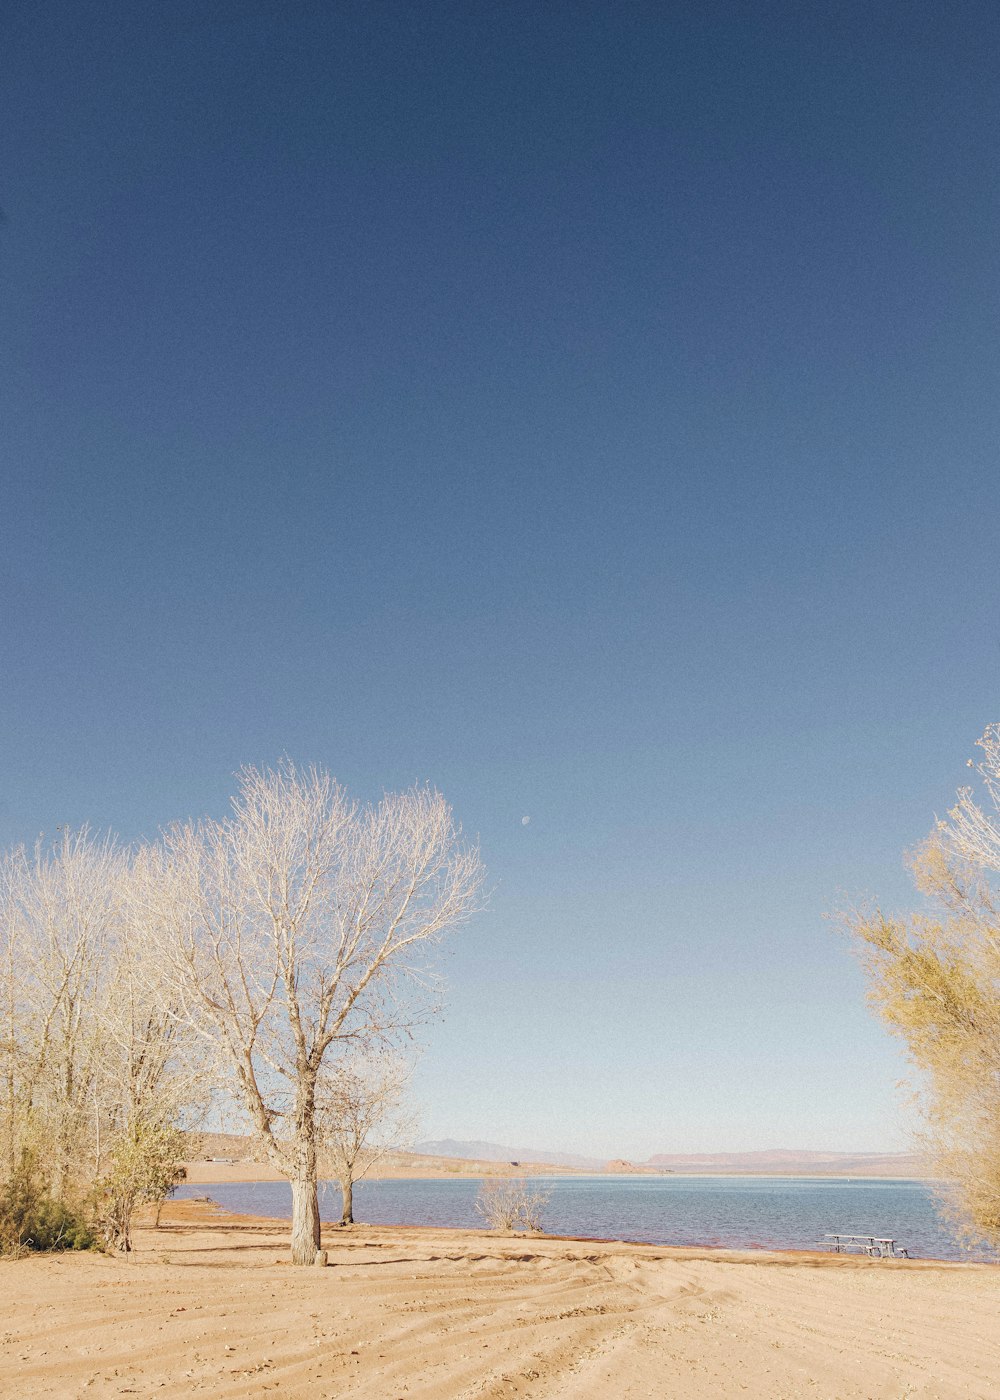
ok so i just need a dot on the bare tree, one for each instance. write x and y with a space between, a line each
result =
934 977
362 1115
94 1066
301 921
13 1015
153 1081
62 908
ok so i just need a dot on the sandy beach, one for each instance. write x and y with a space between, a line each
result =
208 1306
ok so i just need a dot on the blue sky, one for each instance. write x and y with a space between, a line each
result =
591 409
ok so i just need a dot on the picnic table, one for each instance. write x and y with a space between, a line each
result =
876 1246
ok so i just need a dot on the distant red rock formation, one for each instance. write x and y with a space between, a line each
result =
782 1161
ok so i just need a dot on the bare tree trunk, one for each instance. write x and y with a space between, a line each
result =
305 1220
98 1145
305 1200
61 1154
347 1191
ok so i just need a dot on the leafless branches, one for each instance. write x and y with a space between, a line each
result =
301 923
274 957
61 910
93 1062
361 1115
509 1203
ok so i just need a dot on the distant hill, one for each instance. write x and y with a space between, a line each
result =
494 1152
777 1161
788 1160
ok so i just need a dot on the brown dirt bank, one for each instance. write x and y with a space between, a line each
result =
396 1168
208 1307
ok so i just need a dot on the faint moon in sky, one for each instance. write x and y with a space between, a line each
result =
525 821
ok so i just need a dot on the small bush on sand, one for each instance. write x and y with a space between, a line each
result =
509 1203
145 1169
32 1219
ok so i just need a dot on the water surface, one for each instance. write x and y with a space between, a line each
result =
727 1212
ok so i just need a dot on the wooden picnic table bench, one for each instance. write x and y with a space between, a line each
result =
876 1246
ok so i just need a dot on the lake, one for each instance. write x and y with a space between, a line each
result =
727 1212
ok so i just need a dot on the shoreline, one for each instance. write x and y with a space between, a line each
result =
210 1305
768 1238
749 1254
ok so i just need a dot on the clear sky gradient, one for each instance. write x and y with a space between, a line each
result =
590 408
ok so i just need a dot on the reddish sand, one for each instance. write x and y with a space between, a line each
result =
398 1167
208 1306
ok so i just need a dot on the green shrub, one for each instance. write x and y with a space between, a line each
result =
144 1169
53 1225
31 1219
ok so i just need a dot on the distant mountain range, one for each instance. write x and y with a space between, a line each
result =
782 1160
776 1161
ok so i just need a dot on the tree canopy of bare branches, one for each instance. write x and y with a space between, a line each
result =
934 977
61 913
301 925
92 1058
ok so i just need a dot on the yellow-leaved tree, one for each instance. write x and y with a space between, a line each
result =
934 978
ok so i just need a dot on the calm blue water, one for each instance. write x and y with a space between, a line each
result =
731 1212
